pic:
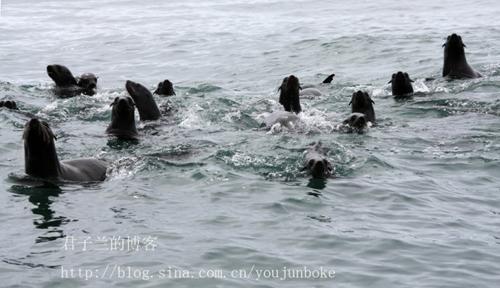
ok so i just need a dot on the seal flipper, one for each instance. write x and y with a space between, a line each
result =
328 79
144 101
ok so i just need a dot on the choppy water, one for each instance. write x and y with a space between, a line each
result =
415 202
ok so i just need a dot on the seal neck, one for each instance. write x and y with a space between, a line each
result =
41 161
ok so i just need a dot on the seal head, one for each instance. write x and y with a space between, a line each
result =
165 88
316 162
146 105
401 84
362 103
9 104
122 123
289 94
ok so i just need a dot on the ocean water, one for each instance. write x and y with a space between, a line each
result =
207 198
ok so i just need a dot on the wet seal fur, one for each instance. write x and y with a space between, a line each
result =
362 103
289 94
355 122
9 104
316 162
401 84
144 101
69 86
165 88
122 123
41 158
455 65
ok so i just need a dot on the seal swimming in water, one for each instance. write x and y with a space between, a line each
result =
165 88
316 162
9 104
455 65
69 86
289 94
362 103
146 105
356 122
41 158
401 84
122 123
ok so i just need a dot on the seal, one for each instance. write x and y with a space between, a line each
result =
316 162
362 103
455 65
401 84
144 101
9 104
122 123
69 86
41 158
356 122
289 94
165 88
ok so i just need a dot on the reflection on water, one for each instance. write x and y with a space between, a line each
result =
42 197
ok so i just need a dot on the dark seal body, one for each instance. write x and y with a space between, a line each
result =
41 159
362 103
69 86
401 84
122 123
143 98
316 162
356 122
455 65
9 104
289 94
165 88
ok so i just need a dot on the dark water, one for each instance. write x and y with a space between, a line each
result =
415 201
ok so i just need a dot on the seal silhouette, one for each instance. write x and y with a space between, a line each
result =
289 94
401 84
316 162
122 123
455 65
41 158
328 79
69 86
9 104
165 88
362 103
144 101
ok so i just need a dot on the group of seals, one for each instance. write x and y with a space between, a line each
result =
41 157
67 85
40 154
455 66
